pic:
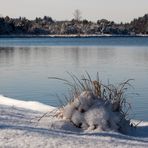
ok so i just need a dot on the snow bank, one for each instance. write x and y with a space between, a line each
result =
19 127
32 105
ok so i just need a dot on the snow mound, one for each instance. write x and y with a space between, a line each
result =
89 112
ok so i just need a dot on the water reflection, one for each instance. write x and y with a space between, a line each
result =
6 55
25 70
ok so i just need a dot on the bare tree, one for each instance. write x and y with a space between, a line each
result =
77 15
1 15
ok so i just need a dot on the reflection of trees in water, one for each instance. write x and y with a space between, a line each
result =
14 54
23 54
74 54
6 54
6 51
83 56
89 55
77 56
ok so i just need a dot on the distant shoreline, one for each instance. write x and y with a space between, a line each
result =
70 36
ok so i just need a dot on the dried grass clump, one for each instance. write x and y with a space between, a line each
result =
94 105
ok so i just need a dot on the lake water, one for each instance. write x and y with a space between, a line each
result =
26 64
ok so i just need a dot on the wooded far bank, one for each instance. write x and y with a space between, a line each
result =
48 26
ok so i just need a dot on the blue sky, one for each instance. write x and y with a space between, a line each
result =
117 10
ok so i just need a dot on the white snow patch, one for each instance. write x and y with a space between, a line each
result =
25 104
19 127
90 112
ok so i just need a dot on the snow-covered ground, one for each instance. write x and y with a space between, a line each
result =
20 126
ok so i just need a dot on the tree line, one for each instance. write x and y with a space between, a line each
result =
76 26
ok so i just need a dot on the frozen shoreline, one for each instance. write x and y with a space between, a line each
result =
19 127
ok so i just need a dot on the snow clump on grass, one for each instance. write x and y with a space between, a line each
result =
95 106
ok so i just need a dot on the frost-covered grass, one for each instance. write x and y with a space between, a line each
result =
95 106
